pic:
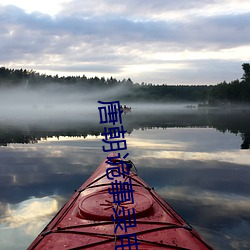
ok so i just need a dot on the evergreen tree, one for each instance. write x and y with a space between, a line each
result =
246 69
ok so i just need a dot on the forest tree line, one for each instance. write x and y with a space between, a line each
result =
236 91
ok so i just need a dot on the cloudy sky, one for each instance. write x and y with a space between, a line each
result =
157 41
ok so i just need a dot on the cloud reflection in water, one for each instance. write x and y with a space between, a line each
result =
25 220
198 171
201 174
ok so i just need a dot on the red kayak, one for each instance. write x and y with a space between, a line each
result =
92 218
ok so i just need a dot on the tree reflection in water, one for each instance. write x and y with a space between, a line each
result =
233 121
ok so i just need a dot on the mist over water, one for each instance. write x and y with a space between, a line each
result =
59 107
55 102
191 156
61 102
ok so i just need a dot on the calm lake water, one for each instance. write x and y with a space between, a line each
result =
197 160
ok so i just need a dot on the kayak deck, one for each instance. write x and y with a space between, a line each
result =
85 221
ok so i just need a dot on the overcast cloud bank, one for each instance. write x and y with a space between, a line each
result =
184 42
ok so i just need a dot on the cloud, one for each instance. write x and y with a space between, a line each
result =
144 9
95 38
95 31
115 30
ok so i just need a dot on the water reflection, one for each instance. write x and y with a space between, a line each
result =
193 161
19 222
233 121
29 210
203 177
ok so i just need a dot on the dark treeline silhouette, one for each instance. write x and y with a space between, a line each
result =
237 91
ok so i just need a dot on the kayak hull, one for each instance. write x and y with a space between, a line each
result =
85 220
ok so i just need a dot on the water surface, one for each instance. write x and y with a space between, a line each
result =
193 158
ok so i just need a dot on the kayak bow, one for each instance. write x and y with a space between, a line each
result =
84 222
